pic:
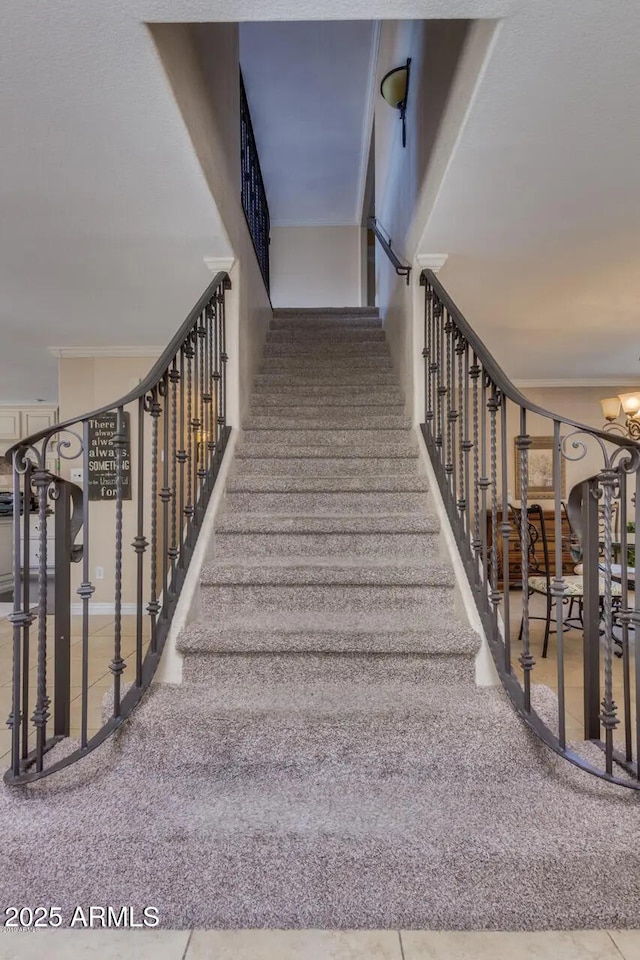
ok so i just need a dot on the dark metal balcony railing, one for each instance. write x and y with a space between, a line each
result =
593 617
160 447
254 197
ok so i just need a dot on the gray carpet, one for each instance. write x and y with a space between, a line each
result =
328 761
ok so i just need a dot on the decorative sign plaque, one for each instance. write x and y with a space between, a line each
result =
102 458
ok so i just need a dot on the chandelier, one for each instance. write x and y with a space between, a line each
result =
629 403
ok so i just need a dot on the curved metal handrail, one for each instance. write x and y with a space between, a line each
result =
499 377
468 398
221 281
402 269
177 417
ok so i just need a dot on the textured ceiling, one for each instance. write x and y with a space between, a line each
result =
308 86
105 215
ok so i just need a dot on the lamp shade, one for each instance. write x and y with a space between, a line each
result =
630 403
610 408
394 86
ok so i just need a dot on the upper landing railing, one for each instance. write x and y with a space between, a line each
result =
99 563
553 580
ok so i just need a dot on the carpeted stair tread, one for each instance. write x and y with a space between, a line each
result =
330 380
333 437
240 544
327 335
326 350
382 484
323 397
327 502
408 602
293 421
330 523
392 449
328 570
314 632
326 466
320 365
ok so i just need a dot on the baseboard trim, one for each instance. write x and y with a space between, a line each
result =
103 609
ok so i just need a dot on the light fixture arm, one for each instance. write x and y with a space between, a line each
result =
394 88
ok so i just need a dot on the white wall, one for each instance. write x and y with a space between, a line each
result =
202 63
315 266
435 48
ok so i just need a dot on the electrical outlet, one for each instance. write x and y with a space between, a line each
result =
77 475
99 573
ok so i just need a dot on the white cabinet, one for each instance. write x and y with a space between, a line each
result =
34 543
6 554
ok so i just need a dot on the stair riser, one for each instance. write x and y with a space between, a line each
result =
324 349
428 573
253 599
330 380
331 422
380 484
236 546
318 683
339 404
325 466
277 451
323 503
329 411
330 438
321 323
351 367
313 393
449 666
330 336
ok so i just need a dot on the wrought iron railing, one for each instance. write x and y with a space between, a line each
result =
148 465
553 578
383 238
254 197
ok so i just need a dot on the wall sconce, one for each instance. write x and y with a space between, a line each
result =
394 88
630 405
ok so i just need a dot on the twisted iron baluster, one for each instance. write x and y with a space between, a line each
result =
474 373
441 390
174 379
450 419
140 543
189 509
153 607
41 480
523 443
505 531
494 404
608 717
461 347
117 665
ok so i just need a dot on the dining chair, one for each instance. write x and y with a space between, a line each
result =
540 574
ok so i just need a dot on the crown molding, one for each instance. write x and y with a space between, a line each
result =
219 264
367 119
432 261
66 353
582 382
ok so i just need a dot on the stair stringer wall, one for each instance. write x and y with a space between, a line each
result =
464 604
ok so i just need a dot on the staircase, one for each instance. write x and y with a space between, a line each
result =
328 760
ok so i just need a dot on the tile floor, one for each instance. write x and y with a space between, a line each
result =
546 671
318 945
100 678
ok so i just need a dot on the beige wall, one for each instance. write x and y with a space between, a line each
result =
201 62
85 384
315 266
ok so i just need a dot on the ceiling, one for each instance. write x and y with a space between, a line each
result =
309 86
105 216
